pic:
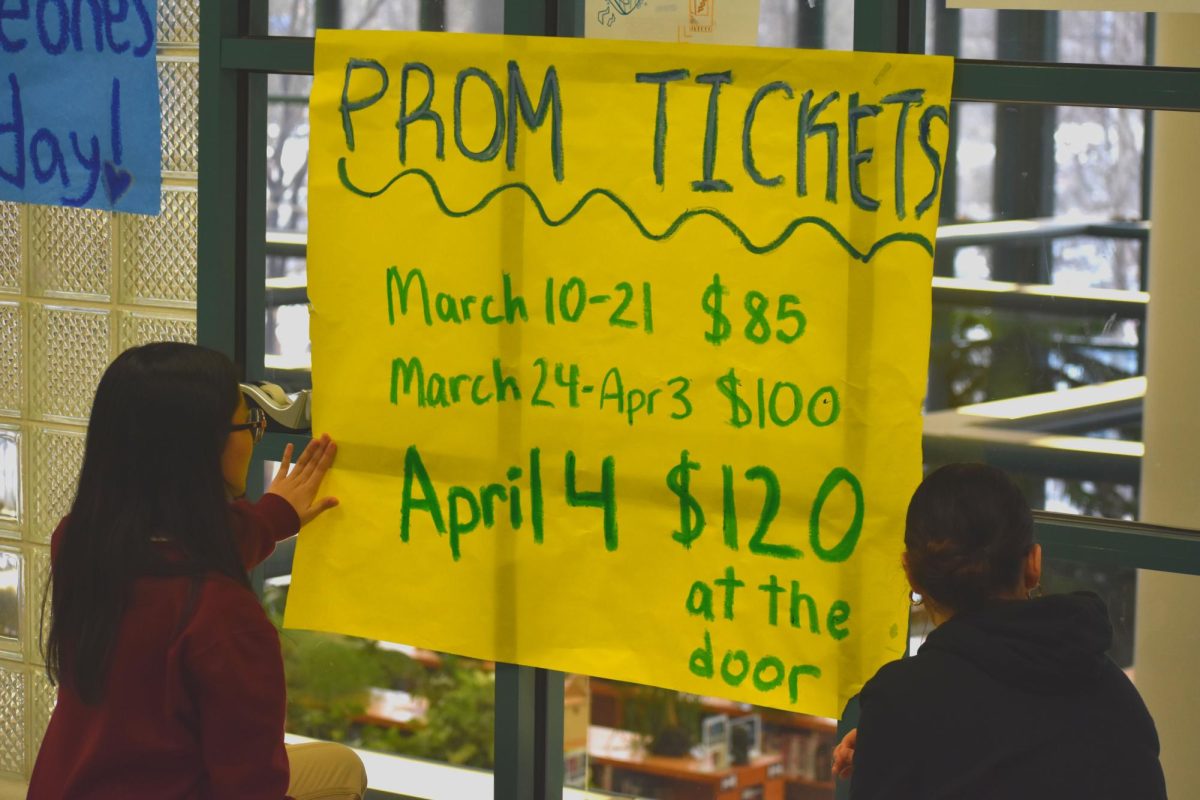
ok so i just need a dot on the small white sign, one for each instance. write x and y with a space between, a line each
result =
702 21
714 738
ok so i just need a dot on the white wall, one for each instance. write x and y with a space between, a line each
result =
1168 619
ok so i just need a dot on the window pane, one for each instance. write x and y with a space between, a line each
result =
1020 161
302 17
288 18
286 319
1071 262
1056 399
396 701
11 598
1088 262
806 23
643 741
977 37
1068 37
287 343
1038 323
386 697
287 152
10 478
1098 161
974 126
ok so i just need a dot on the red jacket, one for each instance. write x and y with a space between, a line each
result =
186 714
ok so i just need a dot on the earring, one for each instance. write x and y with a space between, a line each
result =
1035 592
916 599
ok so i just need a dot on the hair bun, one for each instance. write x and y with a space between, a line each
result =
967 533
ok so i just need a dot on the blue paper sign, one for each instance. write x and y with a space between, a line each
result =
79 114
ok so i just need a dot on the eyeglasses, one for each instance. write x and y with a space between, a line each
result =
256 423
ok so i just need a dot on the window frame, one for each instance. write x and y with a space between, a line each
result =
237 55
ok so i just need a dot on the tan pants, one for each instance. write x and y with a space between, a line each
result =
325 771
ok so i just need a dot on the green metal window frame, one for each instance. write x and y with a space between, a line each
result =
236 56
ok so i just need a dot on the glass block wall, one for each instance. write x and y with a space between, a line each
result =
76 288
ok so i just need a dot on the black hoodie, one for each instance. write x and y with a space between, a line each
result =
1016 701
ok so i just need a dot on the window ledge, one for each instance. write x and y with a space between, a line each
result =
429 780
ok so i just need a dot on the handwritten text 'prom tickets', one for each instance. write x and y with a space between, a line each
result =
79 113
624 346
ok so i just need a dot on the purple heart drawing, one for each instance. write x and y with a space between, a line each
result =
116 181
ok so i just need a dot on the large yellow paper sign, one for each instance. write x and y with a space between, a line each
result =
624 347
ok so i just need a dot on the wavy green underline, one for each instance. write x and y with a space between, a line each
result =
757 249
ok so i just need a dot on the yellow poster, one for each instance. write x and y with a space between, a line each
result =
624 346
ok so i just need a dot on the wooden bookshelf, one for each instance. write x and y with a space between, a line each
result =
804 744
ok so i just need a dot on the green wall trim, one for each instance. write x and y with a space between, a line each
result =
1118 543
283 54
1164 88
219 107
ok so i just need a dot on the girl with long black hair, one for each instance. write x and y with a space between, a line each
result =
170 679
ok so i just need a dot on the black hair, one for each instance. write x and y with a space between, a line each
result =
968 531
151 468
